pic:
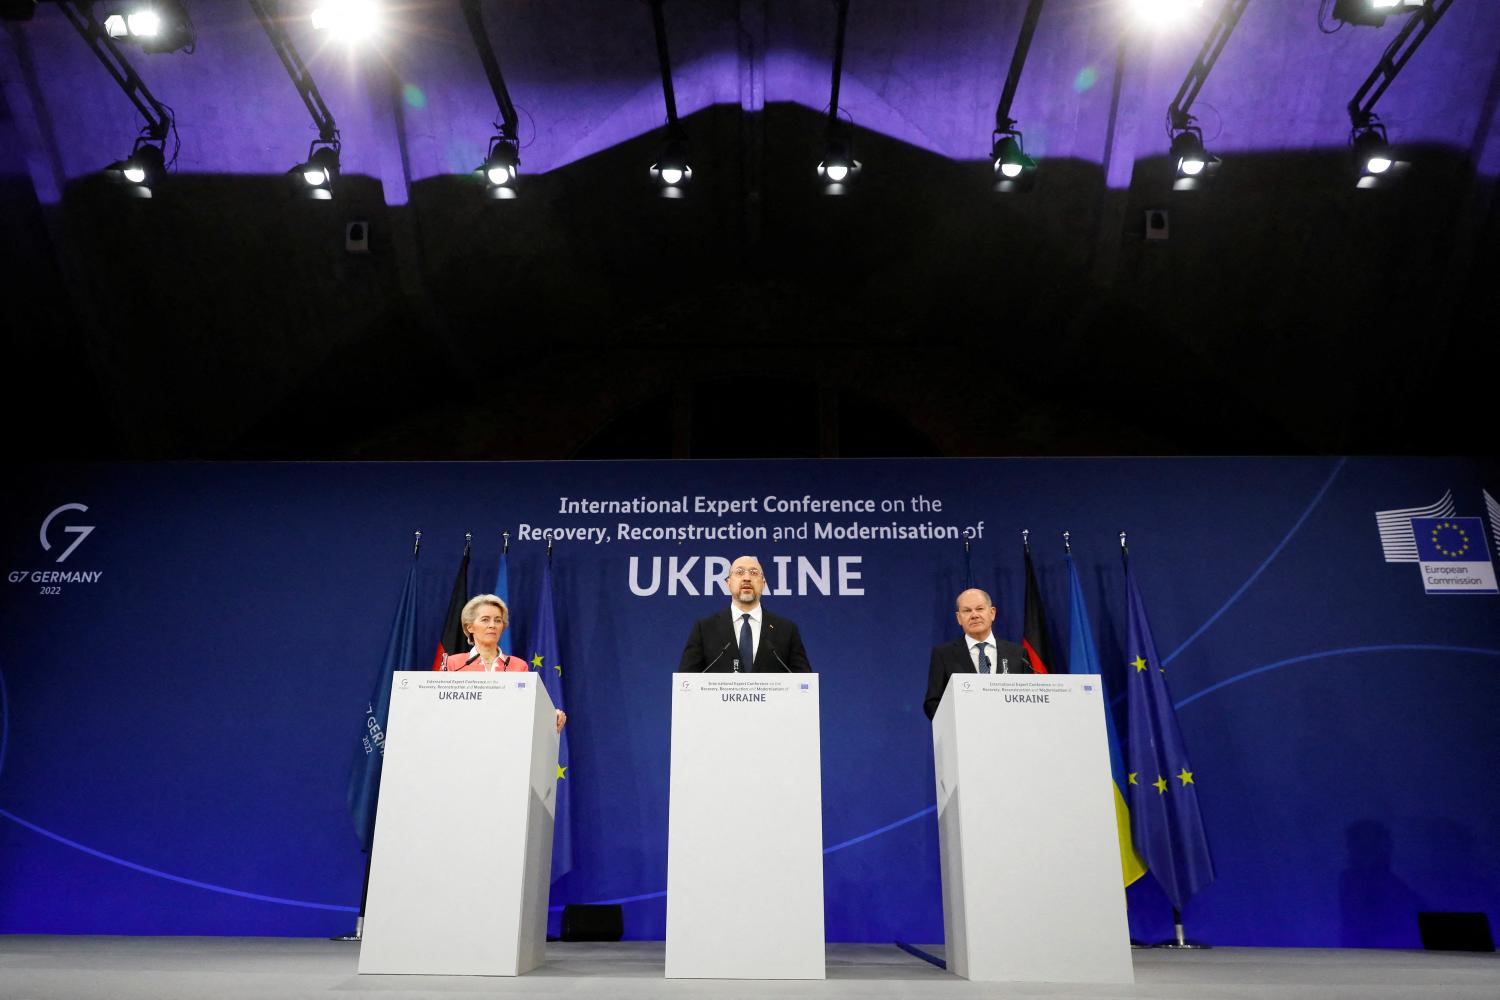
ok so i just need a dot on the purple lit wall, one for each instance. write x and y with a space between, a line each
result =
416 105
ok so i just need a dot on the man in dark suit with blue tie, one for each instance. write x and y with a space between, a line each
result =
747 638
978 652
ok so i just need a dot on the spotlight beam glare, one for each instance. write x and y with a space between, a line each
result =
352 21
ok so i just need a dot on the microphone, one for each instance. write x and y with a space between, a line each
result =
471 659
780 660
720 656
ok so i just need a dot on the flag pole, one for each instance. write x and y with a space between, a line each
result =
364 890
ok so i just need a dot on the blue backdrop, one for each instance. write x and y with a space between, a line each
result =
182 697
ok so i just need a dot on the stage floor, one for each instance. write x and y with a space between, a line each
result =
92 968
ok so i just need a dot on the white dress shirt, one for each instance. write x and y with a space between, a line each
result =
989 651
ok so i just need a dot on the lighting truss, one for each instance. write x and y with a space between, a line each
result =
1015 172
321 168
672 172
501 163
1194 167
838 168
1377 164
148 160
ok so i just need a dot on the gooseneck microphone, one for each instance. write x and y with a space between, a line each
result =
719 657
780 660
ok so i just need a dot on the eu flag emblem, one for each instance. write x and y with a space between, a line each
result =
1453 555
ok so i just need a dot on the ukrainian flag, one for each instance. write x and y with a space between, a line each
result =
1083 658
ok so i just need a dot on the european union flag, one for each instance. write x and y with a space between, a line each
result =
401 653
1083 658
546 657
1164 806
1450 539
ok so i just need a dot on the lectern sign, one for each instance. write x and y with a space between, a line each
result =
745 835
1022 764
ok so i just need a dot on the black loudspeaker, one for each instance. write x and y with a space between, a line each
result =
593 923
1455 931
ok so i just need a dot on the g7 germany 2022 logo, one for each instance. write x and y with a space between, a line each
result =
61 536
81 530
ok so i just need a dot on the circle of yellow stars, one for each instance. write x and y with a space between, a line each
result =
1462 534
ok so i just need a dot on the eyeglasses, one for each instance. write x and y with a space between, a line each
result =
742 571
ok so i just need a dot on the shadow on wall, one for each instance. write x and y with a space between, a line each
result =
1284 313
1377 909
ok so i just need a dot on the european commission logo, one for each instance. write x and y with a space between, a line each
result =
1451 551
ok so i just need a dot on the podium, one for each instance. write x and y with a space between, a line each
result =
745 828
462 858
1032 885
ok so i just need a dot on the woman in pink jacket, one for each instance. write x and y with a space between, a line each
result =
484 619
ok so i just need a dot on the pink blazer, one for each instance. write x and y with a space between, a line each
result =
509 664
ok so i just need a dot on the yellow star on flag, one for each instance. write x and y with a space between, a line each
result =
558 668
562 771
1185 776
1131 777
1161 784
1139 663
536 661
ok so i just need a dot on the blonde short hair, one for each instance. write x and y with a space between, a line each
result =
471 610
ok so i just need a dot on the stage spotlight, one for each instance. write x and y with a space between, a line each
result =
143 168
1375 161
1194 165
672 172
1372 13
320 170
350 20
1015 172
500 167
159 26
838 168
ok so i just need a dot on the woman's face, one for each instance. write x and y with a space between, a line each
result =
489 624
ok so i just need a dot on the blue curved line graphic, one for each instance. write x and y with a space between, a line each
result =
1317 498
884 829
1412 647
168 875
621 900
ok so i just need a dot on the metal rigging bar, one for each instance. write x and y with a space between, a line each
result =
659 23
269 14
1396 55
1213 46
1003 120
838 64
80 14
474 17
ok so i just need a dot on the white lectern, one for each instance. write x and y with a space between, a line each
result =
462 857
1032 886
745 828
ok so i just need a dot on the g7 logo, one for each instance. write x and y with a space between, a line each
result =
82 530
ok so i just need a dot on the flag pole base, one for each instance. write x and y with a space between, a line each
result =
1181 942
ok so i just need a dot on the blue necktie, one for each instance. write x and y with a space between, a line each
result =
984 663
747 645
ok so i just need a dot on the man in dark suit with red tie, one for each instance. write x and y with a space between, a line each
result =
978 652
746 638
